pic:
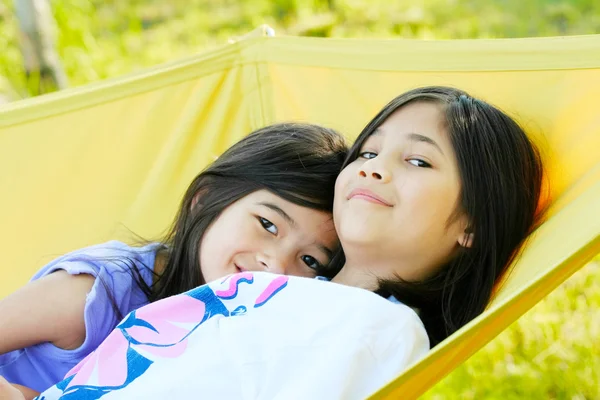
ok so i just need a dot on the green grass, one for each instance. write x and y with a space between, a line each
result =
553 352
98 39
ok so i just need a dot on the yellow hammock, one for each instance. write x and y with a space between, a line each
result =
88 164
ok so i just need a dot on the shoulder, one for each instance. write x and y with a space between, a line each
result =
110 257
113 248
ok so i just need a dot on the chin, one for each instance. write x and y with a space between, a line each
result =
362 219
357 234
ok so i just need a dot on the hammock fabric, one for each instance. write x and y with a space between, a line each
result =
98 162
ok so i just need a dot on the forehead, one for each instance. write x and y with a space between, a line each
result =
263 195
424 118
302 217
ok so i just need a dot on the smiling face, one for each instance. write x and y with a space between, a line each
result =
263 232
395 204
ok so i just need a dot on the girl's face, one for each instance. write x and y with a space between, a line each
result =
263 232
394 205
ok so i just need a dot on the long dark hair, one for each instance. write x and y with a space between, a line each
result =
501 180
298 162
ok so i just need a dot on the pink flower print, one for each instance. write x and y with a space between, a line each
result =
159 329
171 319
234 282
107 366
162 327
274 287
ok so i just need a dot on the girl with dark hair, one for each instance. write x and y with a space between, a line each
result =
264 205
437 196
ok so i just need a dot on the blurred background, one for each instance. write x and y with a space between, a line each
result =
553 352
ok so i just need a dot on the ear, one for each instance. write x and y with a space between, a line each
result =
466 235
465 239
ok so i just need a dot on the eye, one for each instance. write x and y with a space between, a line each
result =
419 163
268 225
367 155
311 262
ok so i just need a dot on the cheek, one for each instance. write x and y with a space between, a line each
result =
430 205
342 180
209 247
219 238
340 184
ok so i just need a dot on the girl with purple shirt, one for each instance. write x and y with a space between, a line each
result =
264 205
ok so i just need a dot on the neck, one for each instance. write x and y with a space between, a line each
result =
367 264
358 271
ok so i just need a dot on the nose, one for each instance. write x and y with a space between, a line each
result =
277 264
375 169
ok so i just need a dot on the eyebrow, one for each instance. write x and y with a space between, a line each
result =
417 137
279 211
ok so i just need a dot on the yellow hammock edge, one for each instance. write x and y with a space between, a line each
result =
102 161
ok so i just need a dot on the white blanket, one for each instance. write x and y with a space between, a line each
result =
253 336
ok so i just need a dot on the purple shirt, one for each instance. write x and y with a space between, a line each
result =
42 365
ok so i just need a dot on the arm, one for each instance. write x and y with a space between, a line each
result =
50 309
24 393
11 392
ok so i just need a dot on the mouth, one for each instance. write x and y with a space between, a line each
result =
367 195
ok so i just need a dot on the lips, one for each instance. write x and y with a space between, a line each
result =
367 195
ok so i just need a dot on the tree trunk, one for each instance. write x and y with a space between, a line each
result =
42 64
